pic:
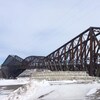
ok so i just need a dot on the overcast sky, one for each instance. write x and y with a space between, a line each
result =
38 27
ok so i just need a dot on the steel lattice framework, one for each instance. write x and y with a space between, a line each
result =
32 62
79 54
82 53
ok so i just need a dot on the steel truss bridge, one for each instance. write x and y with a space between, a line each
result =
82 53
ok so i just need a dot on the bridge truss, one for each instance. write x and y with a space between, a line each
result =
82 53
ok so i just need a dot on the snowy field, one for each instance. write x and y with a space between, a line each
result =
8 86
50 90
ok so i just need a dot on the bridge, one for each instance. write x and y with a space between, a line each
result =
82 53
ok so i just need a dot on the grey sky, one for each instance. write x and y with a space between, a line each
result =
38 27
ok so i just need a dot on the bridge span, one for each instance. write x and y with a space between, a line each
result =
82 53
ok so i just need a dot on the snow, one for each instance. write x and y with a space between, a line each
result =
62 82
19 81
92 91
32 90
7 86
53 90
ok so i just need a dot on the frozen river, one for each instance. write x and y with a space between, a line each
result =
48 90
6 90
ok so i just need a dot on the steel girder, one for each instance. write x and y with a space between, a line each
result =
11 66
80 53
33 62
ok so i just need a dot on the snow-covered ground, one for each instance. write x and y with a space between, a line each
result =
7 86
51 90
19 81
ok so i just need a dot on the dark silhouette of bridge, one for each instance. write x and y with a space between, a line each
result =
82 53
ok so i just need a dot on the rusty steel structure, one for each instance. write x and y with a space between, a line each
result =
11 66
82 53
33 62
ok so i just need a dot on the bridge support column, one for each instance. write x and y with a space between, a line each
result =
91 71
